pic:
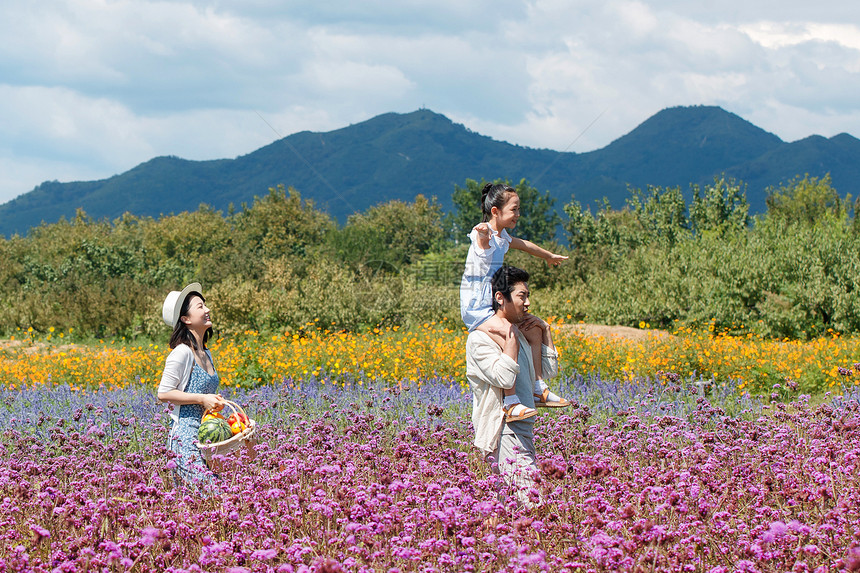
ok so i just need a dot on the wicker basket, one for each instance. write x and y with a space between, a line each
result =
232 444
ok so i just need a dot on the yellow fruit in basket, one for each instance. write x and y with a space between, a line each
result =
238 420
236 426
212 415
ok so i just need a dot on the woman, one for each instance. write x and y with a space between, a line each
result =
189 381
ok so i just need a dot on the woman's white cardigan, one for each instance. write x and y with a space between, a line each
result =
177 372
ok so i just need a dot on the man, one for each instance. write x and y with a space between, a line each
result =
498 357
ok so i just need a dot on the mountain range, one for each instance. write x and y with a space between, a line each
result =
397 156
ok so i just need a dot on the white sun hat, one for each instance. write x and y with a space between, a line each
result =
173 303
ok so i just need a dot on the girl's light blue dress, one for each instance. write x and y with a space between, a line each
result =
476 289
191 470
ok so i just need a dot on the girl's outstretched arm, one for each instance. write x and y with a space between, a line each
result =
528 247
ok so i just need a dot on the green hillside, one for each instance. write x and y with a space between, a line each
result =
398 156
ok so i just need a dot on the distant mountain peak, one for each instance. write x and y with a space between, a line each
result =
697 123
676 145
399 155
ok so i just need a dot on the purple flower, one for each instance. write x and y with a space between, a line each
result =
149 536
264 554
333 494
39 533
778 528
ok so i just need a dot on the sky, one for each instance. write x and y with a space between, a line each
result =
92 88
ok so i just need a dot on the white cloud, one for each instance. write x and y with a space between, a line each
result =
635 58
354 79
771 34
772 114
94 87
84 138
636 18
67 124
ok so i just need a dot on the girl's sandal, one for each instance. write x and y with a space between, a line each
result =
543 401
517 412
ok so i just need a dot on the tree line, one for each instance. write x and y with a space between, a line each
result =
666 258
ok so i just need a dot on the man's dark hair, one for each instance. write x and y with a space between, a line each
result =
504 281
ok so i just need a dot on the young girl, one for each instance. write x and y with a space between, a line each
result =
490 241
189 382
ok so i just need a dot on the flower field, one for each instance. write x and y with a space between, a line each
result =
693 452
743 363
637 477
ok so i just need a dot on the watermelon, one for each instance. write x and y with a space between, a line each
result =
214 430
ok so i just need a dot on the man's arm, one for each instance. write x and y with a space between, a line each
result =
486 363
503 333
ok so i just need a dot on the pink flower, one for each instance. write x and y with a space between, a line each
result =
40 533
264 554
149 536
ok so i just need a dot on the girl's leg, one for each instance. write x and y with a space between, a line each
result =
543 396
535 338
514 409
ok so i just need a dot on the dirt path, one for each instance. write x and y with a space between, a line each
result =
27 347
614 331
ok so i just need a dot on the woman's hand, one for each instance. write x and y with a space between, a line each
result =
213 402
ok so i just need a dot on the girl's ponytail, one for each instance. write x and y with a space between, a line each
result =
484 210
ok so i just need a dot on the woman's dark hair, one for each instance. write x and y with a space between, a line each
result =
494 195
181 333
504 280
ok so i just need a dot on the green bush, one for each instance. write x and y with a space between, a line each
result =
390 235
281 264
